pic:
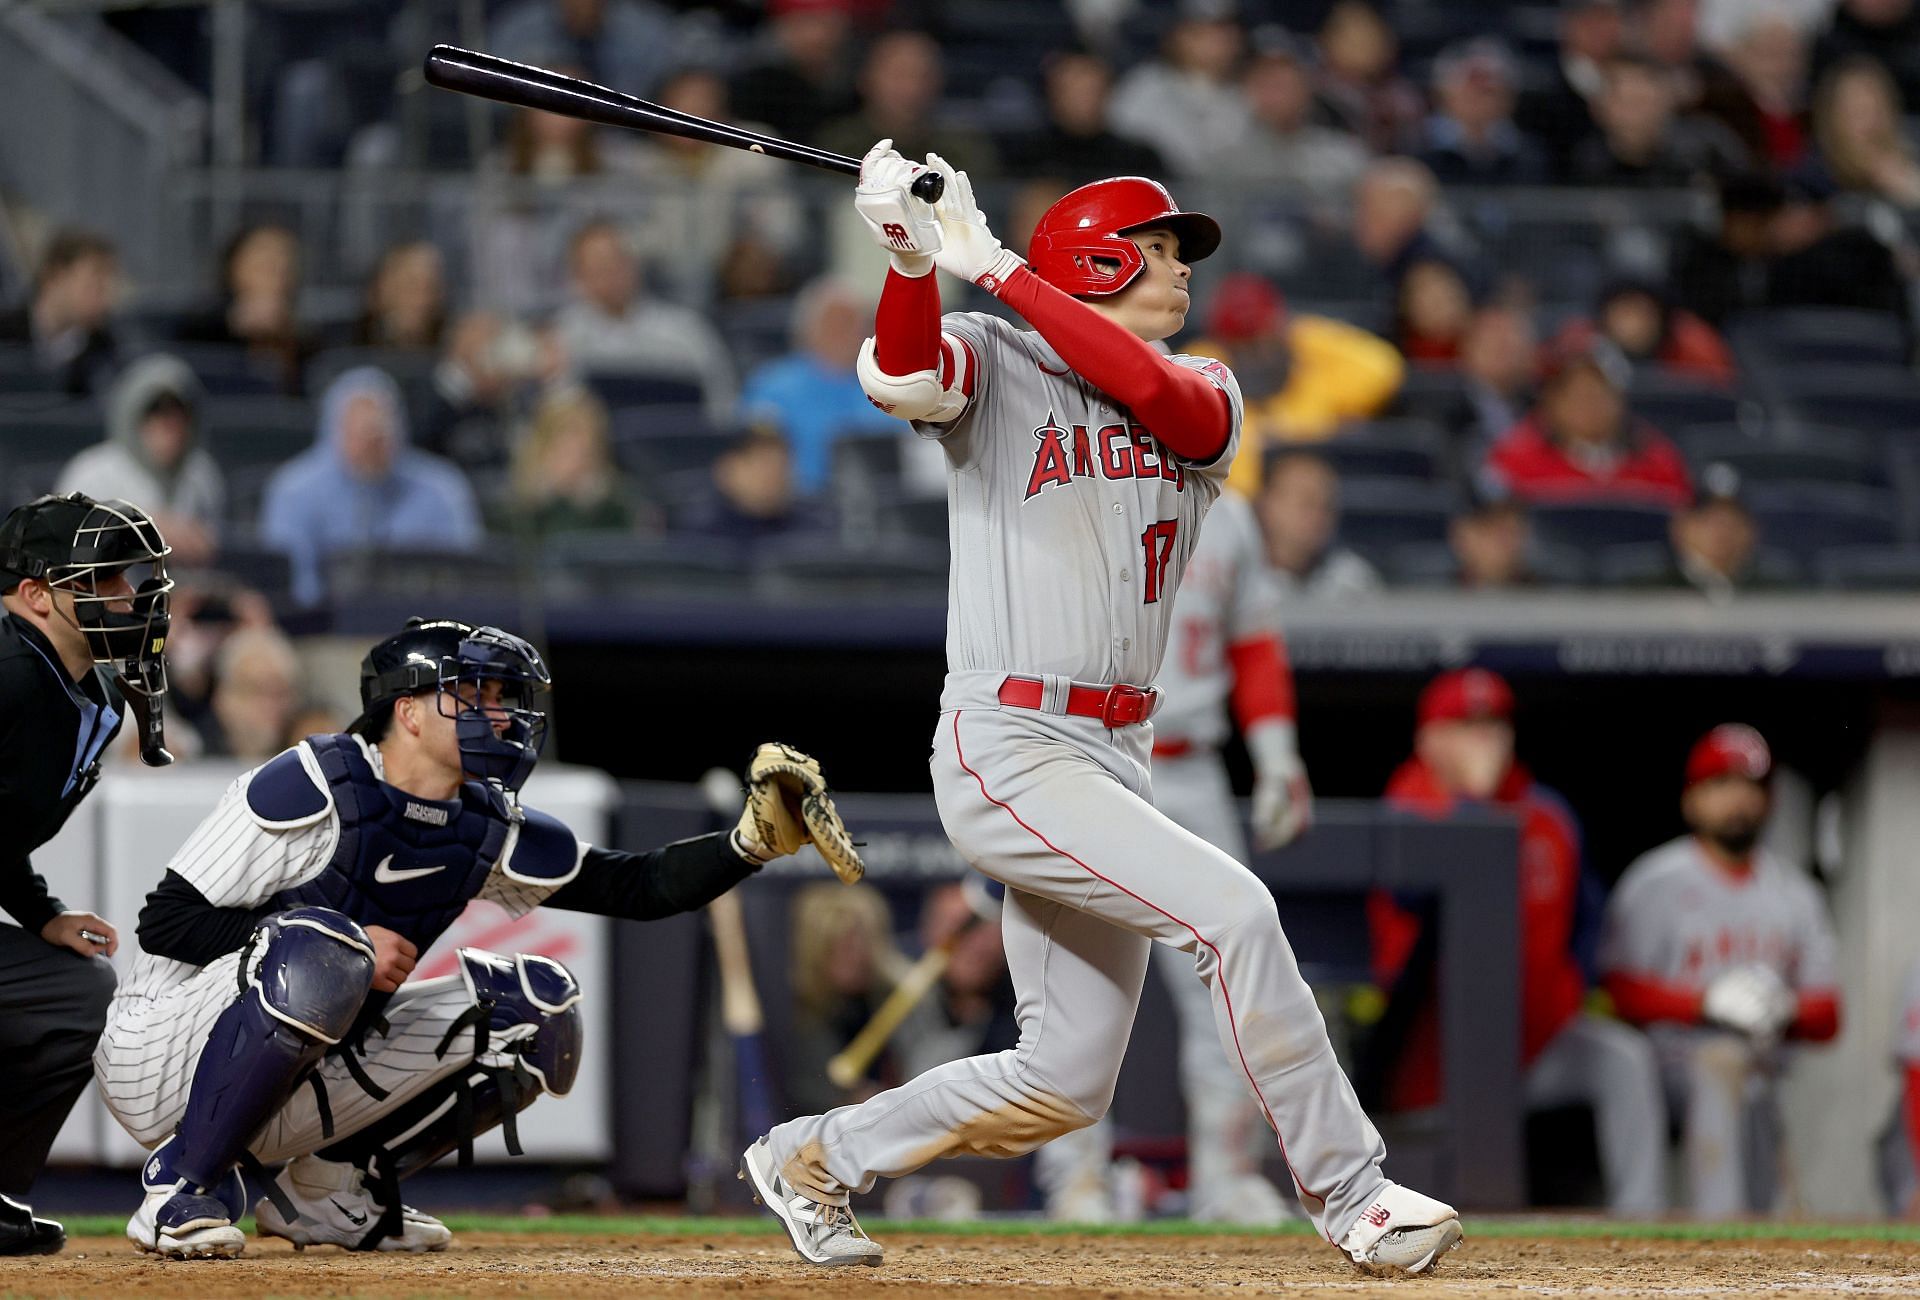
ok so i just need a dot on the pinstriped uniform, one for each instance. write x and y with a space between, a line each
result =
160 1017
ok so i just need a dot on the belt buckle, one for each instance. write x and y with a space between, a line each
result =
1123 699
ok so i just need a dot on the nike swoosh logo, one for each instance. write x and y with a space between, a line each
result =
386 875
357 1220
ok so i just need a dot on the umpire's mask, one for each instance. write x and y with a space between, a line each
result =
110 558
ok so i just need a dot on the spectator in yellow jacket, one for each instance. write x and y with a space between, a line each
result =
1302 376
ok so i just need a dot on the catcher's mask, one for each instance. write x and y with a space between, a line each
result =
488 681
109 557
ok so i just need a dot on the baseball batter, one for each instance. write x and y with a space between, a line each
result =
270 1016
1720 950
1224 653
1081 462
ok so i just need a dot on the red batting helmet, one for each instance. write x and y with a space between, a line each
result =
1080 243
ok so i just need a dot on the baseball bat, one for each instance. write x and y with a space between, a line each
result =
491 77
851 1064
740 1010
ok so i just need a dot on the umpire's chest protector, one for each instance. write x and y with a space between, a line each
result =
408 864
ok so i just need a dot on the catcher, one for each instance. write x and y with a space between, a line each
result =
269 1021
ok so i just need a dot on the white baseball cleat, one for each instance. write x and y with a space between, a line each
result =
822 1233
334 1208
1402 1231
184 1225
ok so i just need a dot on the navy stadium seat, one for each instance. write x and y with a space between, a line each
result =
1824 456
256 430
1869 568
1587 526
1378 516
621 390
1811 517
1405 448
1803 335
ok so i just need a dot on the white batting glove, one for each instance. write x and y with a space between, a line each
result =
1282 799
968 249
902 224
1751 1000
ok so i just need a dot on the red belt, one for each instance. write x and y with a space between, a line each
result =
1173 748
1117 706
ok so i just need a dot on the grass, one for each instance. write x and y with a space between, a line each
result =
580 1225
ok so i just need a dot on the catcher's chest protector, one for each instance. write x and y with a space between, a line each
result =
410 865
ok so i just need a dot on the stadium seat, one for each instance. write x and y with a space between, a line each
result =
254 565
412 370
910 519
1423 564
1813 517
21 372
1801 335
1670 402
1646 564
653 453
1378 516
1591 525
1822 456
623 390
837 569
49 433
1430 393
227 369
1404 448
257 430
1874 399
1869 568
617 564
493 570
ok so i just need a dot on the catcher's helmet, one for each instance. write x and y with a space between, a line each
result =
68 542
1080 244
441 654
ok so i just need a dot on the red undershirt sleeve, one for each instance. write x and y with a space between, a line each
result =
906 327
1262 680
1817 1017
1913 1111
1181 407
1641 999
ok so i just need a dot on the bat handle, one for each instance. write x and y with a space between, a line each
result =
929 186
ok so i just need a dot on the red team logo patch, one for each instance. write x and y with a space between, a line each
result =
1112 451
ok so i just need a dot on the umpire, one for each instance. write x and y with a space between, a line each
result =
72 616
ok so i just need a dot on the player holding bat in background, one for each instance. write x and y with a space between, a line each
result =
1081 463
270 1017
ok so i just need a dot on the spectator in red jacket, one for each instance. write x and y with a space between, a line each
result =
1583 444
1637 317
1463 756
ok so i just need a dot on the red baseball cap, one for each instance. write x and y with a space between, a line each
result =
1466 695
1731 749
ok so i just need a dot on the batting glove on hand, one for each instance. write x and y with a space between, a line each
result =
1751 1000
967 248
902 224
788 806
1282 798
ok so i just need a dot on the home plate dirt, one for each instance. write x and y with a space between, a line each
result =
919 1263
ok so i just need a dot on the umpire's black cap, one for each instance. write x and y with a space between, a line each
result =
38 537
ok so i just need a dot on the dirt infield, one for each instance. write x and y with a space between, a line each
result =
1498 1263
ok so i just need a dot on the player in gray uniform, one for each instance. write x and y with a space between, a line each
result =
1721 950
1081 462
1224 651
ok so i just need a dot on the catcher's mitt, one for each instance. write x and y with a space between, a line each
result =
788 806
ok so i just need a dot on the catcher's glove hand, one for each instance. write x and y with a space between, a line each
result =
788 806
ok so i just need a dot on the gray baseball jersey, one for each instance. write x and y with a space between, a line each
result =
1677 917
1228 596
1072 527
1907 1038
1070 523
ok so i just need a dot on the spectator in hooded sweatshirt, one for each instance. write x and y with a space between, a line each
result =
362 487
152 457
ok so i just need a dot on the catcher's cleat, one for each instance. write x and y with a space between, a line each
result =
181 1221
1402 1231
821 1233
334 1208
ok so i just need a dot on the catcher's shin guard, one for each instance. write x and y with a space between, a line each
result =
525 1039
313 974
